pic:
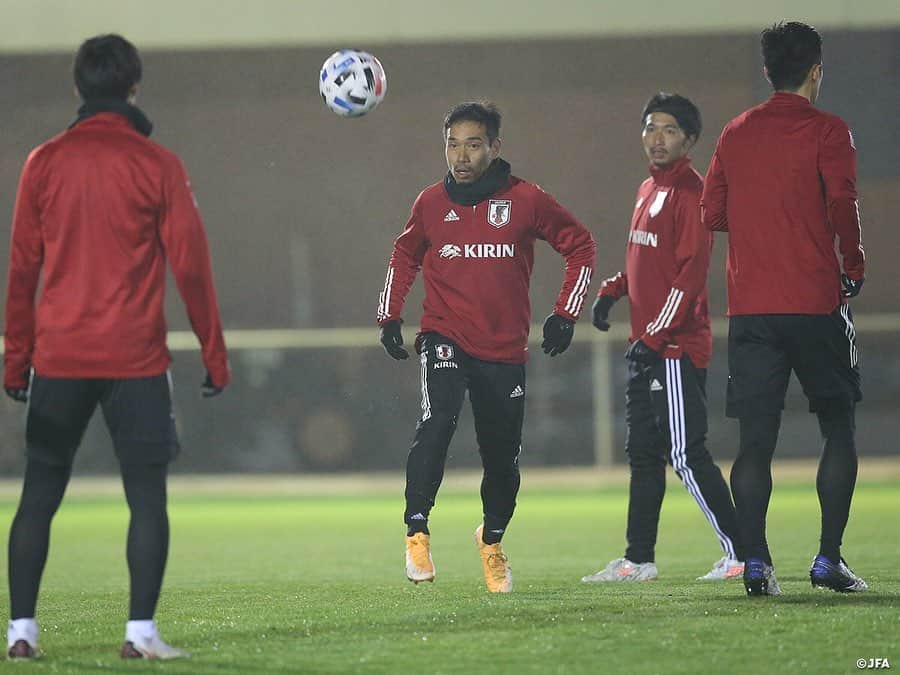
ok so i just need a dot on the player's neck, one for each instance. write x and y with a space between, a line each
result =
468 194
806 91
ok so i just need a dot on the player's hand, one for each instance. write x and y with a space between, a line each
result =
850 287
600 310
640 353
558 331
392 340
208 389
18 394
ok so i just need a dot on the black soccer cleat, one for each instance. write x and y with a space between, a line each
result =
128 651
759 578
825 574
21 650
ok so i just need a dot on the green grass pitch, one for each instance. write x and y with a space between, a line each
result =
316 584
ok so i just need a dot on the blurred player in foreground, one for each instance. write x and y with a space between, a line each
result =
100 209
473 236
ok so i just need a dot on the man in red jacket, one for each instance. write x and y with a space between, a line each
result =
100 208
666 261
473 236
782 183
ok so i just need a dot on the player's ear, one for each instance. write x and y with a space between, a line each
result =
495 148
815 73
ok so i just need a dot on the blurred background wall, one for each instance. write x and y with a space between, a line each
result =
302 207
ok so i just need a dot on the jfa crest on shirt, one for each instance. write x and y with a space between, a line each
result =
499 211
476 262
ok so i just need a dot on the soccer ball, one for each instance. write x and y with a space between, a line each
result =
352 83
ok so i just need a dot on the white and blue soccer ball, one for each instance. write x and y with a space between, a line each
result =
352 83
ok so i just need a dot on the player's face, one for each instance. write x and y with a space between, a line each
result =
664 141
469 152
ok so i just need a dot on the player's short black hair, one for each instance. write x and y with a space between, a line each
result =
789 50
106 66
682 109
483 112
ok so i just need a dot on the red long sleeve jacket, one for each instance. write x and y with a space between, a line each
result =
782 182
100 209
477 263
666 263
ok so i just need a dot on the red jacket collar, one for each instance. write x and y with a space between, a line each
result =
107 119
788 98
667 175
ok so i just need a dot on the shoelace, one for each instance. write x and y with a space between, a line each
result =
419 553
497 561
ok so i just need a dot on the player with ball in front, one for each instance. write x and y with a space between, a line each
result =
473 236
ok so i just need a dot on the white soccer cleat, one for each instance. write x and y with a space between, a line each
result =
22 639
146 643
622 569
723 569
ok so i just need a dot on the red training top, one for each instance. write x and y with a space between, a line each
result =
99 210
477 263
666 263
782 182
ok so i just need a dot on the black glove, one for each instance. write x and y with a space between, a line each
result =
392 340
601 308
851 288
558 331
19 394
640 353
208 389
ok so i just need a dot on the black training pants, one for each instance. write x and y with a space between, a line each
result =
763 351
666 419
138 414
497 394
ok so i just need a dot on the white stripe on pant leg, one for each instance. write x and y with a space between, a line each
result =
426 402
850 332
679 456
843 311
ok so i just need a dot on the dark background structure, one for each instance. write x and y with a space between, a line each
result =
301 209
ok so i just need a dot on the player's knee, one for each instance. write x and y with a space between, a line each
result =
645 462
145 487
501 460
837 424
759 434
439 422
698 460
44 486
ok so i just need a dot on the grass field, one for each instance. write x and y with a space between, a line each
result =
315 584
